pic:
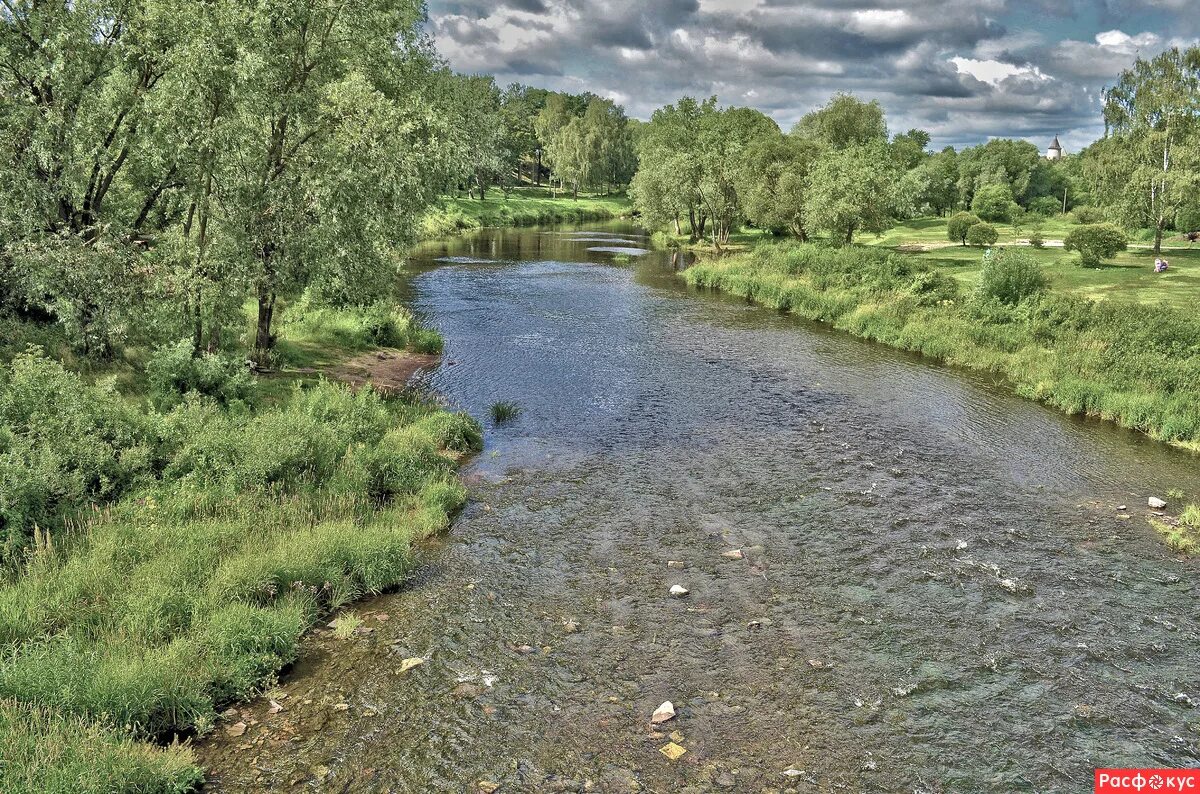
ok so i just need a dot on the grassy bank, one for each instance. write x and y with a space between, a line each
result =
1132 364
523 207
163 554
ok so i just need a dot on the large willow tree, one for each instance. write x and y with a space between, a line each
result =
199 152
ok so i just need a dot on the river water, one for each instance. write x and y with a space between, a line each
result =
937 591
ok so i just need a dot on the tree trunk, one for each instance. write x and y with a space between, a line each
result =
1158 236
678 230
263 340
538 169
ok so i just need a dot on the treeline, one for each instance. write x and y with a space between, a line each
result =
706 170
528 135
161 163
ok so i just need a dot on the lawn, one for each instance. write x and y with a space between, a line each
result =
1129 276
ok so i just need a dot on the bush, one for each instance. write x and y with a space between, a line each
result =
1036 237
1096 242
958 226
63 445
993 203
174 371
1010 276
1087 215
982 234
1047 206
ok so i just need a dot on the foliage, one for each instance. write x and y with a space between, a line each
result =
844 121
959 225
982 233
1149 167
993 202
1087 215
174 371
1010 276
194 594
852 190
1096 242
64 445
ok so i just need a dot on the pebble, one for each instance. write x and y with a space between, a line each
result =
677 564
734 554
678 591
663 713
1156 503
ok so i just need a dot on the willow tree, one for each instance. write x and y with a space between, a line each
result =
1152 114
335 146
852 190
665 188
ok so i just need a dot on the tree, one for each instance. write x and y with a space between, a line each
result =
1096 242
993 202
1152 115
958 226
982 233
843 122
479 126
774 180
908 148
722 144
665 188
999 161
852 190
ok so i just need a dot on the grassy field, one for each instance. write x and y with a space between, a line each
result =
1129 276
526 206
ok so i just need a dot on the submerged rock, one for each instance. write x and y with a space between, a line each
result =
734 554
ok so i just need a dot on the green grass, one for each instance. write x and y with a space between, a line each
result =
523 207
1182 534
237 529
45 752
1129 276
504 411
1133 364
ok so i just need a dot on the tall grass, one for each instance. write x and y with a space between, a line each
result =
139 620
1133 364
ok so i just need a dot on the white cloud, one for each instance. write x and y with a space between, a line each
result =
993 72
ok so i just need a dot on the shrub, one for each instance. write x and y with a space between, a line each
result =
1096 242
63 445
958 226
1047 206
993 203
1036 237
982 234
1087 215
174 371
1010 276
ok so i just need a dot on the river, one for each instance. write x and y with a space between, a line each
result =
937 592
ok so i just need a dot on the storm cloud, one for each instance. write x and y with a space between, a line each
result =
963 70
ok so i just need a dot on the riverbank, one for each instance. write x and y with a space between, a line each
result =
522 207
165 557
1131 364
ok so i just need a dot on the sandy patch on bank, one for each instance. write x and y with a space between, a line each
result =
387 370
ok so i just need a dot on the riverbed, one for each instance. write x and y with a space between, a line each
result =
934 588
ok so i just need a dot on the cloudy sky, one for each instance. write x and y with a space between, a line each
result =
965 70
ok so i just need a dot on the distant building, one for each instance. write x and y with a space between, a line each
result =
1055 150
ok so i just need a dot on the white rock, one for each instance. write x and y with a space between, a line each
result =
663 713
678 591
1156 503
